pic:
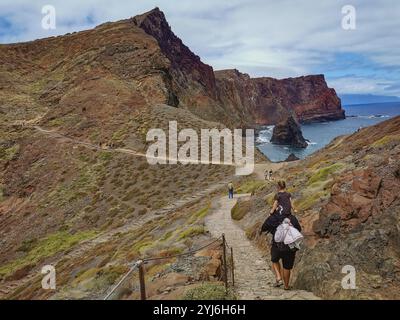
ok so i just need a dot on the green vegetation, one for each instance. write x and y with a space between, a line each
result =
1 193
56 122
105 156
43 248
199 214
385 140
120 135
209 291
307 201
240 209
323 173
10 153
191 232
99 278
89 178
167 235
251 186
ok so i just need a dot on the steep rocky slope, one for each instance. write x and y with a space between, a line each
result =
348 195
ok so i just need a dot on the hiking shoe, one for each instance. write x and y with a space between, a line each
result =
286 288
278 283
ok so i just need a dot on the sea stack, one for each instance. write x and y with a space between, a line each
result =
291 157
288 132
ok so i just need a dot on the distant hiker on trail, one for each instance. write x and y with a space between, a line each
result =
266 174
230 190
270 175
288 235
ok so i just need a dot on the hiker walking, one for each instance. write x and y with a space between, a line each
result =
270 175
230 190
281 218
266 174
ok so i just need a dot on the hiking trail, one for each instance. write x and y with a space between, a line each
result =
253 274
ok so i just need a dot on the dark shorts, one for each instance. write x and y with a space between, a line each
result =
287 257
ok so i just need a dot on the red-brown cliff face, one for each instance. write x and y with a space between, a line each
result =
269 100
192 82
233 97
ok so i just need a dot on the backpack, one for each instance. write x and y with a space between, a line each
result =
272 222
288 235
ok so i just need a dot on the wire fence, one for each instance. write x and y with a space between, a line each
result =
137 269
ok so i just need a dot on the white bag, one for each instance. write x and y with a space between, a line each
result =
288 234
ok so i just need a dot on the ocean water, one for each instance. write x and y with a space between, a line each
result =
320 134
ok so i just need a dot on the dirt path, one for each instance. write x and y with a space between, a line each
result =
57 135
260 168
253 276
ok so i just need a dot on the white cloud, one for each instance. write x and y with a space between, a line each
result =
364 85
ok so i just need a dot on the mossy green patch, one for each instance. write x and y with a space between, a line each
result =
167 235
323 173
240 209
99 278
1 193
199 214
9 153
209 291
386 140
46 247
251 186
105 156
308 200
191 232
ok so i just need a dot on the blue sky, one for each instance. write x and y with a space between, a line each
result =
280 39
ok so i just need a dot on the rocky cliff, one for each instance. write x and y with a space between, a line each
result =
230 96
288 132
268 101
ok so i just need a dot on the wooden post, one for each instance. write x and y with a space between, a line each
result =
224 261
142 282
233 268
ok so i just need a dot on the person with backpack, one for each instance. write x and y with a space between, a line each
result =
288 237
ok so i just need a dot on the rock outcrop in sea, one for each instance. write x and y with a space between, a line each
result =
288 132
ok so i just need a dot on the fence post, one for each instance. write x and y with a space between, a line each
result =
224 261
142 282
233 268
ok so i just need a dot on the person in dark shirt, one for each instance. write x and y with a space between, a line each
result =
283 207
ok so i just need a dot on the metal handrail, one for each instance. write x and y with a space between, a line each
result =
134 266
182 254
140 263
